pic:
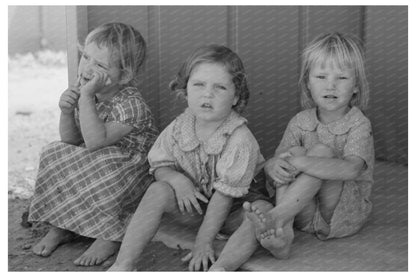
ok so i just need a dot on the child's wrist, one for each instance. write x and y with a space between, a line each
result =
203 240
68 113
86 99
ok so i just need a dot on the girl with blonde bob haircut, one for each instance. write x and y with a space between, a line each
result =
322 170
343 51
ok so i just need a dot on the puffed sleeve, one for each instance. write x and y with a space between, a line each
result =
160 155
131 111
360 142
291 137
236 167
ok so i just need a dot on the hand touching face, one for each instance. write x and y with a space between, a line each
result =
98 69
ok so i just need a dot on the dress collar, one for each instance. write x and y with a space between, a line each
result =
341 126
185 135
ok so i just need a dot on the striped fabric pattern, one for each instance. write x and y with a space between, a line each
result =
94 193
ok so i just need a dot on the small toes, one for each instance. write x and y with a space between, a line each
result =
247 206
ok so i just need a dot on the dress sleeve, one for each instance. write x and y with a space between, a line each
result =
236 167
360 142
291 137
161 155
133 112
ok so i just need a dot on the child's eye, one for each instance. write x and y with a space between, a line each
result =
85 56
198 84
343 78
221 87
102 66
320 76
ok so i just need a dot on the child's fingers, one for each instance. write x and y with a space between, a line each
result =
181 206
187 257
286 165
188 205
211 257
78 82
108 81
73 95
195 264
201 197
195 203
278 178
285 155
205 263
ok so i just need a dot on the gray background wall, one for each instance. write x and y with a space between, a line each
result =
269 39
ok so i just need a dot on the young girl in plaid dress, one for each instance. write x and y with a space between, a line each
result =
322 170
91 181
203 160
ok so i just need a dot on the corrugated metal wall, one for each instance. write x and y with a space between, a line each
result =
269 39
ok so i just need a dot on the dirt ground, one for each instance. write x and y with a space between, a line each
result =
33 122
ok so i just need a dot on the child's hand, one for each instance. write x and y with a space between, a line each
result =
69 99
97 80
280 170
187 194
203 253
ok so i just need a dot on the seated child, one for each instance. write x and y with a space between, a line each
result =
323 167
91 181
203 160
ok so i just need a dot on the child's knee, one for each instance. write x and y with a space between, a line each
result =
321 150
159 190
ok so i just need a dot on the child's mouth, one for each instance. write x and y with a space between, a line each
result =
206 106
330 97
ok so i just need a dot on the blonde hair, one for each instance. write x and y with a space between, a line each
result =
215 54
344 51
126 45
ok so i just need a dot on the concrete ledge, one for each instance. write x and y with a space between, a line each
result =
382 245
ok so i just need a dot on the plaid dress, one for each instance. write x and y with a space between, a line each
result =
94 193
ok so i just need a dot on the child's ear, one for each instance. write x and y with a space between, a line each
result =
355 90
125 77
235 101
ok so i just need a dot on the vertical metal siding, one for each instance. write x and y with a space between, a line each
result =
387 60
269 39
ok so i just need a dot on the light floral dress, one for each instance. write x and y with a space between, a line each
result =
350 135
227 162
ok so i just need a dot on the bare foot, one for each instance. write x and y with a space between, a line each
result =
99 251
217 268
120 267
257 217
51 241
278 241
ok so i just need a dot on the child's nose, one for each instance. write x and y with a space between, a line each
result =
209 92
331 84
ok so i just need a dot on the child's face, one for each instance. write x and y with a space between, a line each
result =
331 87
98 59
211 92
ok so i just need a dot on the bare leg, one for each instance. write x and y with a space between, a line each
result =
52 240
297 196
329 196
158 199
99 251
277 240
241 244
